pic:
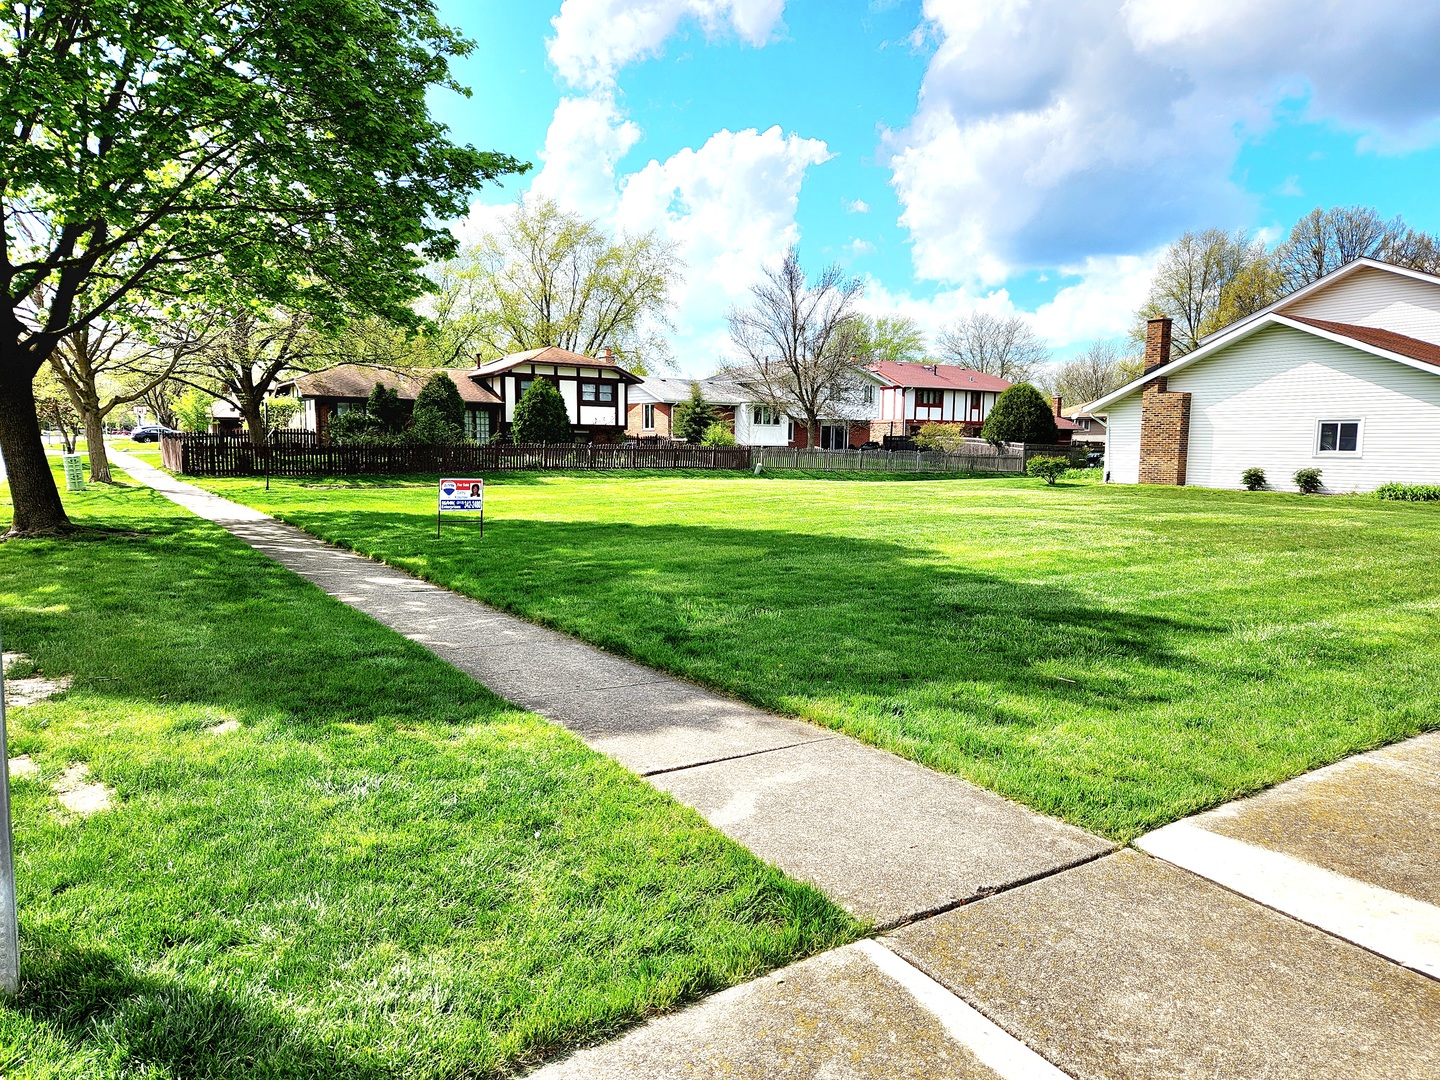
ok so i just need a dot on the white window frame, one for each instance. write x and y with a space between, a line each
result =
1359 437
764 416
647 417
868 394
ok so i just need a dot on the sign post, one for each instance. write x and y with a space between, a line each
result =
464 496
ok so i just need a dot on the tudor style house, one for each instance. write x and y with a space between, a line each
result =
595 389
1342 375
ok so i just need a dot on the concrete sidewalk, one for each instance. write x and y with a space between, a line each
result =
888 839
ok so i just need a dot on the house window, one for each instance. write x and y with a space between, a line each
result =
976 401
1339 437
343 407
789 430
597 393
477 425
867 394
647 417
929 397
765 416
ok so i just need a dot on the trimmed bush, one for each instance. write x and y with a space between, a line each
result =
1253 479
1049 469
717 434
1307 480
442 395
1409 492
1021 414
540 415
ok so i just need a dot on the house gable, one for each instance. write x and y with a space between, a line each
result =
1376 297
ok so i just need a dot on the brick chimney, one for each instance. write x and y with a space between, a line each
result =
1058 402
1157 344
606 354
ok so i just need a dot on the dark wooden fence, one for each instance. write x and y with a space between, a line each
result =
301 453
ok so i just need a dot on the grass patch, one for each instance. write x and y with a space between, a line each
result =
1116 656
382 871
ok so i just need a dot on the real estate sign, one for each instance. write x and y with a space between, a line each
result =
461 495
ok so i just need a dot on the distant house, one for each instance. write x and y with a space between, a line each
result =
913 395
327 394
753 421
1089 426
1342 375
595 390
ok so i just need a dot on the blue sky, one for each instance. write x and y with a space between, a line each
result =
1022 157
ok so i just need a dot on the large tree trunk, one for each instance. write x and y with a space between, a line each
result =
95 443
38 510
254 420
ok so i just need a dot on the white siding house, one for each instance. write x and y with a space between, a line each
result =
1342 376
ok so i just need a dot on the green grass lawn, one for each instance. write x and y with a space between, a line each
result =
384 871
1116 656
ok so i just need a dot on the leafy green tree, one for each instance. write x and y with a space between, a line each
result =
1049 469
892 338
283 152
1190 281
1020 414
57 411
693 416
439 415
540 415
193 410
441 395
549 277
386 414
280 412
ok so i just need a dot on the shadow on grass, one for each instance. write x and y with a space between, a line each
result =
783 614
146 1023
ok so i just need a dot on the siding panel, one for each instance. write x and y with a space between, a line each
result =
1258 403
1371 297
1122 441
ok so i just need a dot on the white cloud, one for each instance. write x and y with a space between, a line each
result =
587 138
730 207
857 206
594 39
1049 131
858 246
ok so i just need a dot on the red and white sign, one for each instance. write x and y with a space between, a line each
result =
462 495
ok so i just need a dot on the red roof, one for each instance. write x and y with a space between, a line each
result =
945 376
1388 340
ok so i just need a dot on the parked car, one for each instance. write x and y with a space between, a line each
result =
151 432
1094 457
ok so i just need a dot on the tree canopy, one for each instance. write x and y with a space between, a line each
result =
693 416
545 276
1008 348
892 338
281 150
1020 414
797 341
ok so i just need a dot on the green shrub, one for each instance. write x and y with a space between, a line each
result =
540 415
442 395
1021 414
352 427
944 438
280 411
386 413
1409 492
717 434
430 427
1253 478
693 417
1049 469
1307 480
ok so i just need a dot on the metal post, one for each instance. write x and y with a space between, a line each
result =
9 925
266 421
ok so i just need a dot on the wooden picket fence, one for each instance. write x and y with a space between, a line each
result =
301 453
